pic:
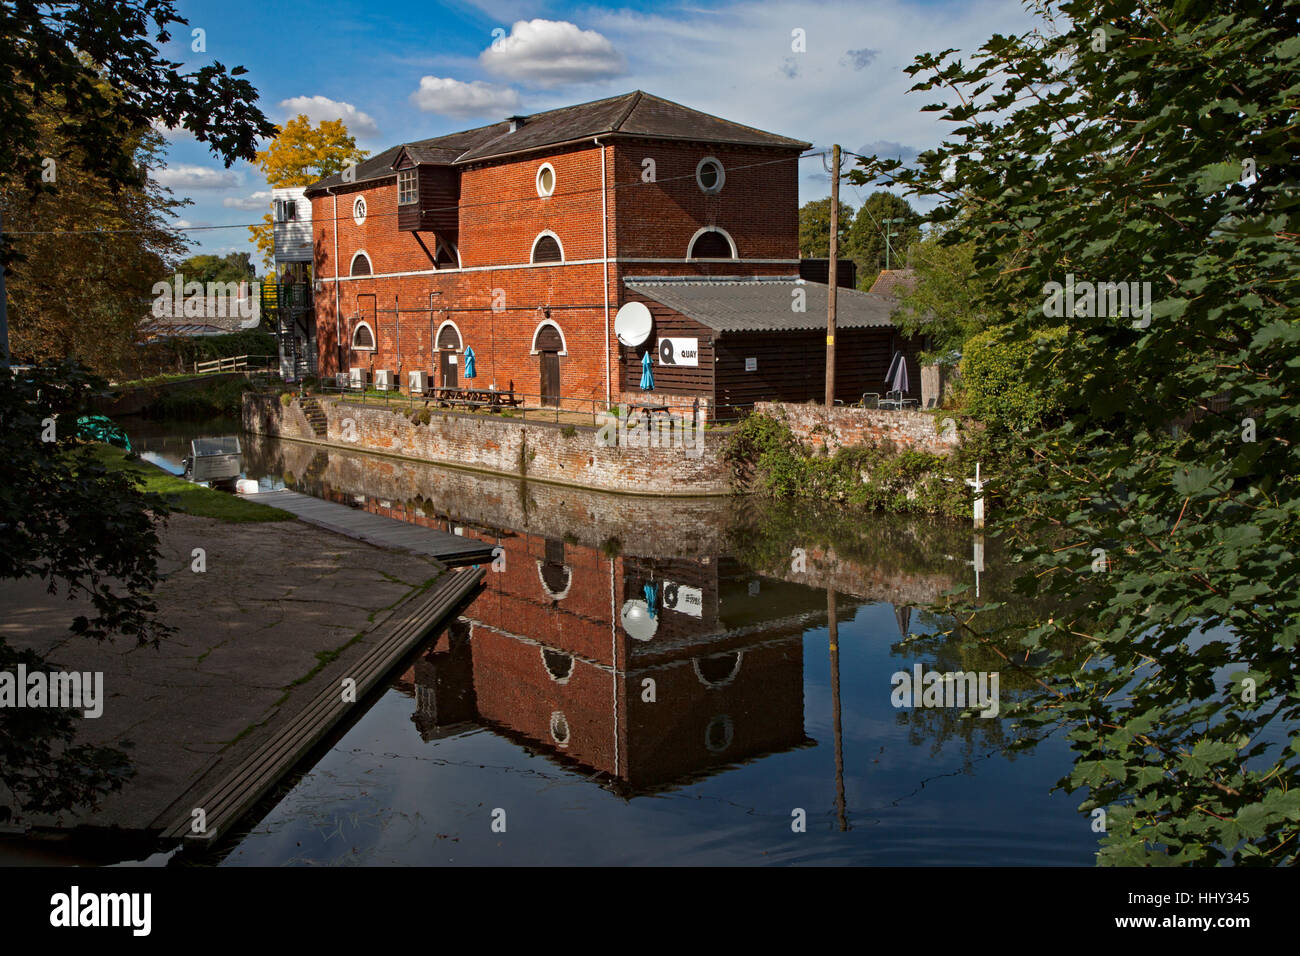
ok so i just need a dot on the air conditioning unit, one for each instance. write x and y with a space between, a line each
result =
417 382
383 379
359 377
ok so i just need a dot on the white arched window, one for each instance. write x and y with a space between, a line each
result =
711 242
547 248
363 337
360 265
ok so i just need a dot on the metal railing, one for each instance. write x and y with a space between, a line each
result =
526 406
237 363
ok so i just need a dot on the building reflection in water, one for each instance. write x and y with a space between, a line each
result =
616 635
649 672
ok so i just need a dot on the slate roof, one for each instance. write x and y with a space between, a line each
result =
761 304
635 114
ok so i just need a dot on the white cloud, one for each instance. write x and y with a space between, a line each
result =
259 201
318 108
457 98
551 53
187 176
171 135
737 61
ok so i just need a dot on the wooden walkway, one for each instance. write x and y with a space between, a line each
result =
376 529
247 781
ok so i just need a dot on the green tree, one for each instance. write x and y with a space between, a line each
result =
948 300
234 267
89 253
815 229
866 240
55 54
1148 142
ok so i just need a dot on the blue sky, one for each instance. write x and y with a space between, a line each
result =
402 71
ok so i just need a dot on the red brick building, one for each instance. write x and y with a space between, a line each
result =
516 240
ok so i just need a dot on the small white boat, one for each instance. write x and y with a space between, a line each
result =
215 461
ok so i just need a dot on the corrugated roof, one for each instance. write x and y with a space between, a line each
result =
758 304
635 114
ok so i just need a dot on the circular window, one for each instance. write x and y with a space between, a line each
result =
710 175
545 179
359 210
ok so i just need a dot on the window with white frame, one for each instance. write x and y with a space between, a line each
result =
545 179
407 188
359 210
710 175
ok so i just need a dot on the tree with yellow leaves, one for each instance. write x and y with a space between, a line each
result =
299 155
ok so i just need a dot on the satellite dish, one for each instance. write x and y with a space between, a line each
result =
632 324
637 621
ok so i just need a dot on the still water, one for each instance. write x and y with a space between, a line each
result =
655 682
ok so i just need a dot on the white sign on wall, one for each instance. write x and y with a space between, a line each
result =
679 351
683 599
751 365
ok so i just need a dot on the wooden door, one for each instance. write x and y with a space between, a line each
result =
449 366
550 378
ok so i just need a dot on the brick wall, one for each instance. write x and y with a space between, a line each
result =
832 429
539 451
495 296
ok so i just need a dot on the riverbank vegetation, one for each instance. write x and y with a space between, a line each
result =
766 458
1155 482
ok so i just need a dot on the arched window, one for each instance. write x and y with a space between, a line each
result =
711 243
360 265
547 337
363 337
359 210
449 337
546 248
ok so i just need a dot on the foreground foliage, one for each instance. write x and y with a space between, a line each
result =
1127 142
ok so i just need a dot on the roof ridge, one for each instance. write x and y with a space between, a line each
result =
636 99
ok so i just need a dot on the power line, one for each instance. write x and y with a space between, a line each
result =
458 206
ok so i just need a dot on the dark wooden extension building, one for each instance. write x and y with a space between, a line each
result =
738 340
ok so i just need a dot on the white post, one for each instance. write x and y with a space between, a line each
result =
978 485
977 561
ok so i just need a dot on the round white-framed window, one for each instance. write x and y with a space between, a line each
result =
545 180
709 175
359 210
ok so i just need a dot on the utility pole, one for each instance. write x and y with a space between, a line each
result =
833 276
889 234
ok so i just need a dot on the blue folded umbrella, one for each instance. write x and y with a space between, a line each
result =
647 374
469 362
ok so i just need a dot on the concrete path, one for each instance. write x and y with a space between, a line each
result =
280 608
376 529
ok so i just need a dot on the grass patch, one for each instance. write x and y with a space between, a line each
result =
185 496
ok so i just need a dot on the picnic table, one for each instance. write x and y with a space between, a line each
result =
475 397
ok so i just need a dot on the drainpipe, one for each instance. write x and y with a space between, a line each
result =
338 323
604 262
